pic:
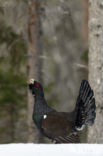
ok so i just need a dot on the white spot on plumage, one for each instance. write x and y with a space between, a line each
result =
80 128
45 116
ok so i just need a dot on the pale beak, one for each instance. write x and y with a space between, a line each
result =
32 81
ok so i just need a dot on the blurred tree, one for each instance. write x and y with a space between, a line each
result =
12 78
63 48
95 133
13 49
34 62
85 22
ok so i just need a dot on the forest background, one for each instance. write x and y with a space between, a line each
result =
48 41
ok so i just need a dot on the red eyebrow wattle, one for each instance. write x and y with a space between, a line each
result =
37 84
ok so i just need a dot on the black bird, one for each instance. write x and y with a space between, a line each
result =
63 127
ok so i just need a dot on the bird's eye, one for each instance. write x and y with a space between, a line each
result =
37 84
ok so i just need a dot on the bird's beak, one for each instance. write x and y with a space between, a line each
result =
32 81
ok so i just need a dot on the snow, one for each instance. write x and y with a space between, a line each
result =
51 150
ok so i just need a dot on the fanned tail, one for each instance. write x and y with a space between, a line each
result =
85 106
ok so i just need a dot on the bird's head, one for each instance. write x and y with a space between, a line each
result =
35 87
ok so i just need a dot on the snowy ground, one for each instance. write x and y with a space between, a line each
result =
51 150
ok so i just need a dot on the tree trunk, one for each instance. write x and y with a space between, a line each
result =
95 133
34 65
85 22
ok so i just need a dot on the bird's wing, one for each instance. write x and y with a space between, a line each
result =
85 106
58 127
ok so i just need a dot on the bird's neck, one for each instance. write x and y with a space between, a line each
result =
40 106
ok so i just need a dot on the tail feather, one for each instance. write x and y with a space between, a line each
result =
85 106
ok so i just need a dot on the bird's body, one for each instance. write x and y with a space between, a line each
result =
62 127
